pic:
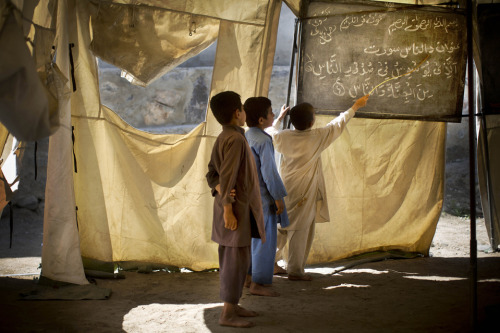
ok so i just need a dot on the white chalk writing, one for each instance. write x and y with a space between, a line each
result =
360 20
417 23
341 74
404 57
414 49
383 69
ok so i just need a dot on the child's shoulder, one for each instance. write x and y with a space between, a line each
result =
257 135
228 131
232 135
288 131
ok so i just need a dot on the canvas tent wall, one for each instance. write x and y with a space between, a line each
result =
143 197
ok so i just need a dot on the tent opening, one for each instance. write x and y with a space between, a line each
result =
282 58
175 103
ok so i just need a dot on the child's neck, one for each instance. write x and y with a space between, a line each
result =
234 122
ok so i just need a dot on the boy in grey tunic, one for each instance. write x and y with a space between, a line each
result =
232 176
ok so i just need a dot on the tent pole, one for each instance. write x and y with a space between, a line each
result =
472 169
292 65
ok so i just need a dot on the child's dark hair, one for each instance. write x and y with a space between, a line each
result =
223 106
302 115
256 107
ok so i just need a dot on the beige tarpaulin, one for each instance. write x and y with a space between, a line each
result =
143 197
488 149
24 104
166 39
147 200
385 182
61 256
489 181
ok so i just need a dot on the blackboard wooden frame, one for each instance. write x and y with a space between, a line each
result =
325 53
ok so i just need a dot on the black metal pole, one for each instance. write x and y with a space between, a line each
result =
292 65
11 223
472 169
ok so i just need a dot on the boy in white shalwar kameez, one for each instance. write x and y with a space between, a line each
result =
302 173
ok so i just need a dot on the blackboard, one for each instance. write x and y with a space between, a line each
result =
346 50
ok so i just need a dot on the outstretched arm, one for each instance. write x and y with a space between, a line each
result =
284 110
272 130
334 128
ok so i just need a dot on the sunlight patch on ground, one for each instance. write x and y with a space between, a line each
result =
365 270
489 280
26 265
347 285
435 278
321 270
340 269
166 318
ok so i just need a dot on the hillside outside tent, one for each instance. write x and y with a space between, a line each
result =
142 198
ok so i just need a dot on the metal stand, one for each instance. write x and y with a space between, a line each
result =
295 48
472 169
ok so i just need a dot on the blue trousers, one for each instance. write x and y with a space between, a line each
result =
263 255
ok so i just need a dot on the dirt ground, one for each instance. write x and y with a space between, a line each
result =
427 294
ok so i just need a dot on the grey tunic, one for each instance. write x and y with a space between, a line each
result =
233 166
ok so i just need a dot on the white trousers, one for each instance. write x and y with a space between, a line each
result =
299 245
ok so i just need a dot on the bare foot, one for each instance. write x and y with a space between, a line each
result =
230 316
261 290
242 312
248 281
235 322
278 270
305 277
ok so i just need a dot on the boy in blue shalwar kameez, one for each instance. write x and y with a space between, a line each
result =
260 116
